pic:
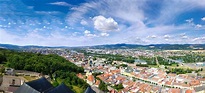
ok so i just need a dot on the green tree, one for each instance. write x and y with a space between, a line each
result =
103 86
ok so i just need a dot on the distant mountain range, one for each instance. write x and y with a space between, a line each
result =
10 46
152 46
119 46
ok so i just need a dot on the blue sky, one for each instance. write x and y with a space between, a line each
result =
96 22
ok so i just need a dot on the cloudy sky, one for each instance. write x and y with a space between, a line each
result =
96 22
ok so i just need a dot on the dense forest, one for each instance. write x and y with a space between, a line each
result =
53 65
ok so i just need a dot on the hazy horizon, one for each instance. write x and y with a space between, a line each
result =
96 45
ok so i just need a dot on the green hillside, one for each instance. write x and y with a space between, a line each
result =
52 65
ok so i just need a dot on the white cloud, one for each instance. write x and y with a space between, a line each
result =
198 26
35 38
189 20
191 23
179 7
48 12
166 39
199 40
104 34
152 36
194 4
105 24
60 4
167 36
129 12
6 37
184 37
91 35
75 34
88 34
79 12
83 22
203 19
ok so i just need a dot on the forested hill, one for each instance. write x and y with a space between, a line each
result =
46 64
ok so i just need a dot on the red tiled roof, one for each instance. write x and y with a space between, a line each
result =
97 82
115 71
172 90
171 75
183 75
195 82
155 89
189 91
202 79
91 78
168 83
142 87
80 75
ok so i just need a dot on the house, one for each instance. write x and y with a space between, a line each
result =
174 90
97 83
189 91
200 89
79 75
90 79
195 83
202 80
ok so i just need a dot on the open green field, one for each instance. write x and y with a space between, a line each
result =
78 89
29 78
